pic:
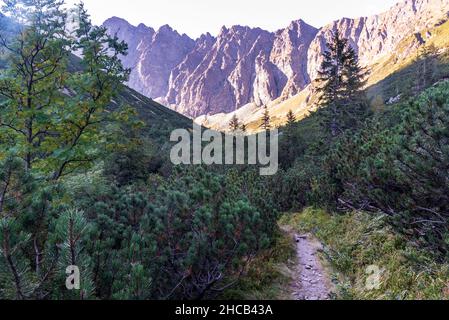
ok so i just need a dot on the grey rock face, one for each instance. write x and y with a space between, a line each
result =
152 54
378 36
241 65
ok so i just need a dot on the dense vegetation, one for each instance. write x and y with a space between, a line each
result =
85 178
357 244
395 164
83 181
383 183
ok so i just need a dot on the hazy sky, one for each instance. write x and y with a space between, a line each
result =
195 17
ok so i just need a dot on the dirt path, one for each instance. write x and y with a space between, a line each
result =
310 282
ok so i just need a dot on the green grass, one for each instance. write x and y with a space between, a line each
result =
356 241
268 276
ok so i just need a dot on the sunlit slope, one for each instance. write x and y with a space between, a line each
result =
391 77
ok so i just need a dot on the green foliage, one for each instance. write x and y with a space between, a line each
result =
34 76
51 116
402 171
355 241
396 164
16 279
234 124
340 85
204 228
70 236
54 120
266 119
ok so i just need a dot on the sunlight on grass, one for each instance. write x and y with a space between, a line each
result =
355 241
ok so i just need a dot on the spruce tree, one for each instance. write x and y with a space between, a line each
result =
340 82
426 63
234 124
266 119
291 119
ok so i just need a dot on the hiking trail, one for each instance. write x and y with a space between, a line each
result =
310 280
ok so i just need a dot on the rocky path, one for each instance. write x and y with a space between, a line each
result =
310 281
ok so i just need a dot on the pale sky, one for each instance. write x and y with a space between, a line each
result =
195 17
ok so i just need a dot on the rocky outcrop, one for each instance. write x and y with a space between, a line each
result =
242 65
378 36
290 55
212 75
152 54
218 75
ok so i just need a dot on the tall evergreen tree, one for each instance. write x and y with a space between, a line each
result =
266 119
426 63
234 124
340 84
50 114
291 119
52 122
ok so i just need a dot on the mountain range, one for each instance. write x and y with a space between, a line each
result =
244 68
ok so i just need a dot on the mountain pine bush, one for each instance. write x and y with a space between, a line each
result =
402 171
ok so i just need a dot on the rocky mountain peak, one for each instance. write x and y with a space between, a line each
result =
377 36
166 29
244 65
115 21
143 27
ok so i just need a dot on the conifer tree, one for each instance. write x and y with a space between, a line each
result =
291 119
52 122
340 82
50 113
234 124
426 67
266 119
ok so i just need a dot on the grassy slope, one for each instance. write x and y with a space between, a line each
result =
356 241
159 120
268 276
396 74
